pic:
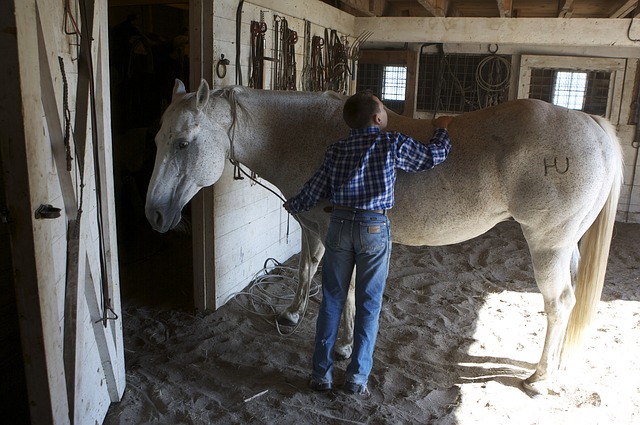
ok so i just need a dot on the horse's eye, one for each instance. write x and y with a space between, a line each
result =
183 144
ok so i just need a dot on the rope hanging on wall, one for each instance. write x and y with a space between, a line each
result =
493 76
487 86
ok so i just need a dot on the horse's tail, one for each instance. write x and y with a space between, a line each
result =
594 253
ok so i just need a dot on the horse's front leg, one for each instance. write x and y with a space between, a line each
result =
554 279
311 253
344 345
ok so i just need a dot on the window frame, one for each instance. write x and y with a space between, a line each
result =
394 86
616 66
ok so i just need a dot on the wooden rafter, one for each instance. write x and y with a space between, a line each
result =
437 8
529 31
366 7
625 9
505 8
566 10
174 3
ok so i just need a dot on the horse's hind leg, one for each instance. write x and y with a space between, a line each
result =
344 344
311 253
554 270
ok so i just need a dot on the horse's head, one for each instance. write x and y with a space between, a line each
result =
192 148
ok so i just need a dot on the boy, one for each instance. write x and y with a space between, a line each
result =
357 177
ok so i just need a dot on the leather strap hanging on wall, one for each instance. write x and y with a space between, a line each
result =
256 61
85 68
238 24
285 63
316 81
337 69
326 62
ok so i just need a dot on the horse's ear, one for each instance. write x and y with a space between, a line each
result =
178 90
202 97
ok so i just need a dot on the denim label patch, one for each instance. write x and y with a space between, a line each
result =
373 229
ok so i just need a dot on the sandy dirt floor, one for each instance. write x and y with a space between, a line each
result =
461 326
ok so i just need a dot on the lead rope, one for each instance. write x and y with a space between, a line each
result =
307 291
237 169
307 253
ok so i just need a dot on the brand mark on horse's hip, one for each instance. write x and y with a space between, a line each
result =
547 166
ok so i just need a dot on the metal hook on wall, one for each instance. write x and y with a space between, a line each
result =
221 67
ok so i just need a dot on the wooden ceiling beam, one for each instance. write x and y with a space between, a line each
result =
505 8
174 3
369 8
624 10
587 32
566 10
437 8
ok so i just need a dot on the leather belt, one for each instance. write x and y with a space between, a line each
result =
342 208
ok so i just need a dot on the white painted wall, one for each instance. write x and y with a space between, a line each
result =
250 223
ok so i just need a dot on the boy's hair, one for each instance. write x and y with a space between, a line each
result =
359 109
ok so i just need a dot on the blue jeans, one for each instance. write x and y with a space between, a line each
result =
363 240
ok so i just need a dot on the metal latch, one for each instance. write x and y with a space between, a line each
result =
47 211
4 216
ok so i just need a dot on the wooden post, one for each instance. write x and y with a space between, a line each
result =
202 206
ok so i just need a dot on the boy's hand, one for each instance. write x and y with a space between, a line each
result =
442 122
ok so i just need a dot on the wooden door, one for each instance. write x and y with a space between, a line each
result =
57 173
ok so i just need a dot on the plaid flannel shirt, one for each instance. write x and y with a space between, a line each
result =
360 171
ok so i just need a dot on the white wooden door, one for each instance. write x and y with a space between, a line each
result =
56 154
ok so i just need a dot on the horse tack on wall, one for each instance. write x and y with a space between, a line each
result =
283 70
498 170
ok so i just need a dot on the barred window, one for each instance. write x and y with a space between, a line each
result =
457 83
569 89
394 83
586 91
387 82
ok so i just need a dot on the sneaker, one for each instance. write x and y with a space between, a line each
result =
320 386
357 389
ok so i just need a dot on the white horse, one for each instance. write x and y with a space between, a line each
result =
555 171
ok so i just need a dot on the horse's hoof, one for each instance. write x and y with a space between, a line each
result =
342 352
536 389
286 318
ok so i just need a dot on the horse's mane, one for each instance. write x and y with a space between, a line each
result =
231 94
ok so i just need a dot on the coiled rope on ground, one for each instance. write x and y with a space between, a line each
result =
271 290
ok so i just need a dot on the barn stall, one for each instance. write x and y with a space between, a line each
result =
428 54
